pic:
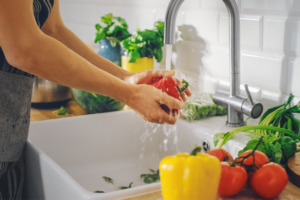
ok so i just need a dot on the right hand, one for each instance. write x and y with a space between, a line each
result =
146 101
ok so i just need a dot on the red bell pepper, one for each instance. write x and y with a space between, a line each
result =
169 86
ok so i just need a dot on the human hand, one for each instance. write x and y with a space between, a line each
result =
146 101
146 77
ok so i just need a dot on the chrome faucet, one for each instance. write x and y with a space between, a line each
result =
237 105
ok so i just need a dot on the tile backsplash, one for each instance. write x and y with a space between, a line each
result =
270 39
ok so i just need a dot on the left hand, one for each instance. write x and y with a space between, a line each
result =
145 77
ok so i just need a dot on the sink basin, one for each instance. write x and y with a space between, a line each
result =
67 158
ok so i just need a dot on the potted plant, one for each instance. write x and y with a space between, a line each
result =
110 33
142 47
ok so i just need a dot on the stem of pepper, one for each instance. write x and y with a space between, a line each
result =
196 150
247 156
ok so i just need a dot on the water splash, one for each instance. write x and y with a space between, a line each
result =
170 133
162 137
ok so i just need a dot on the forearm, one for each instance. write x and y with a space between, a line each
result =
64 35
57 63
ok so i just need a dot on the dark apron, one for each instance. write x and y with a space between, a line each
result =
15 101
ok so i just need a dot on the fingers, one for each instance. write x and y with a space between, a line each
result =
146 77
170 102
167 110
163 117
188 92
163 72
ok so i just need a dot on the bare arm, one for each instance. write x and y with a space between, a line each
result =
55 28
26 47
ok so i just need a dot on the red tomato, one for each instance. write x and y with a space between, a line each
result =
221 154
269 181
260 159
233 179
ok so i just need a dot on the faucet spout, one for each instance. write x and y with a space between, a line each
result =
170 21
234 46
234 117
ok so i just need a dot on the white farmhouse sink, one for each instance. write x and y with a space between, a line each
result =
66 158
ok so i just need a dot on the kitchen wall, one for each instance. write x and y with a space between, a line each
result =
270 40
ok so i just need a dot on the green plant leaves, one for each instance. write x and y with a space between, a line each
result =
146 43
113 28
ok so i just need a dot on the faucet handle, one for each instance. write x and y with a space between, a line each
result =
248 94
250 108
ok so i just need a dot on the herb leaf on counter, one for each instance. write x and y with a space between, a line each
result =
151 177
61 111
126 187
99 191
108 179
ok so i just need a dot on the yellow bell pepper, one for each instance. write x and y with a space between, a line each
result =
189 177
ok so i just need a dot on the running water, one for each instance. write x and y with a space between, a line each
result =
168 56
162 137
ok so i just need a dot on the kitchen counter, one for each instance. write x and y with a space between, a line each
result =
45 114
290 192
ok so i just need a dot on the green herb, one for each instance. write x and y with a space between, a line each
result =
146 43
99 191
151 177
126 187
113 28
279 128
61 111
108 179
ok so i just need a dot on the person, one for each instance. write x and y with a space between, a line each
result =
35 42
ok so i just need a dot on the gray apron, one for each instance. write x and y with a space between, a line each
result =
15 101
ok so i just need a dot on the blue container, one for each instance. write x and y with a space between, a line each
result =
109 52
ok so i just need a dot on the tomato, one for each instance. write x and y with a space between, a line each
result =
259 157
233 179
221 154
269 181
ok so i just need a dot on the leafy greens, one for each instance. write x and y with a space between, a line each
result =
146 43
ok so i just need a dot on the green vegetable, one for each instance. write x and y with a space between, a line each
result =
113 28
279 129
61 111
146 43
126 187
99 191
96 103
151 177
200 107
108 179
288 146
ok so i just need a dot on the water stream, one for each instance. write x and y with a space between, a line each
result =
168 56
162 137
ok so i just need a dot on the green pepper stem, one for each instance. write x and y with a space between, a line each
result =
196 150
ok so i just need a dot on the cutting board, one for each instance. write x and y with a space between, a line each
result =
293 169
